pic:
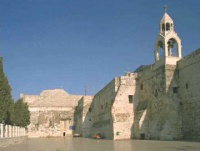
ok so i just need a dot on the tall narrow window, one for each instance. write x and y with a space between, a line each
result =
186 85
163 27
141 87
90 109
130 98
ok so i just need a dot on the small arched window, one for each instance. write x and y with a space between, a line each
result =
167 27
163 27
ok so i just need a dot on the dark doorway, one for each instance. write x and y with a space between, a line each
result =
142 136
63 133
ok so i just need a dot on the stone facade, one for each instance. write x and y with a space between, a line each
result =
189 94
110 112
82 116
51 113
156 105
168 100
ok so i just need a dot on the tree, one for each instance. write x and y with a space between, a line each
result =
6 101
21 114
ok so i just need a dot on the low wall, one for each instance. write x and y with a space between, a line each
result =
10 135
11 141
7 131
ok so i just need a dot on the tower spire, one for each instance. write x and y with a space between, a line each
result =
165 8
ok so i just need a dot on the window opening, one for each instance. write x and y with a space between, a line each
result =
130 98
175 89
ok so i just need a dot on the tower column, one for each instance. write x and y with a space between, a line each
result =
166 49
179 50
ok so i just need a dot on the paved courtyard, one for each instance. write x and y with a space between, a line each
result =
84 144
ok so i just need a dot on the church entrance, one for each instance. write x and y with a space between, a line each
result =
66 127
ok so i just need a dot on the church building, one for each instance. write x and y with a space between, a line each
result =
157 101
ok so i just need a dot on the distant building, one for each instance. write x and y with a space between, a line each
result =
51 113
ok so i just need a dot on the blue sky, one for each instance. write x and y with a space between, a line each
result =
48 44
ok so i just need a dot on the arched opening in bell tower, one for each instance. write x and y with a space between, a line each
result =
172 47
167 27
160 50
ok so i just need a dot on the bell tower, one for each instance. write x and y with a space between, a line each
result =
168 44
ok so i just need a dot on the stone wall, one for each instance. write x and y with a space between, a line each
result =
82 116
112 113
189 92
156 106
122 109
165 105
101 105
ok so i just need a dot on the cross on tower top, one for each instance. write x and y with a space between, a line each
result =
165 7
